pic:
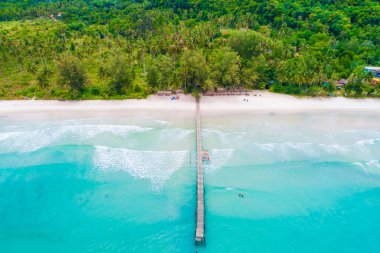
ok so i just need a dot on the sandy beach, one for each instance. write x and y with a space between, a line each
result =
257 101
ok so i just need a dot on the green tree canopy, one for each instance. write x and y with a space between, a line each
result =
225 67
193 70
121 75
72 73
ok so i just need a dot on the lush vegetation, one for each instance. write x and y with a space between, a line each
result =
130 48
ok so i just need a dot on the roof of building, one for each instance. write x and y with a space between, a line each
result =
375 69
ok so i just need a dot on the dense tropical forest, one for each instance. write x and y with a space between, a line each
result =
101 49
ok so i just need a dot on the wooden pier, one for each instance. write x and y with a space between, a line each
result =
200 229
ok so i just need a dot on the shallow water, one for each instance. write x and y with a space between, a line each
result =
311 183
125 182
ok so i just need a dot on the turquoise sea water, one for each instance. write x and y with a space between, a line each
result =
125 182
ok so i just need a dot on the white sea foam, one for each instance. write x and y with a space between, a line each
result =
369 167
178 133
156 166
218 157
358 164
368 141
207 132
4 136
293 150
269 147
163 122
27 141
89 131
306 148
285 148
334 148
224 137
374 163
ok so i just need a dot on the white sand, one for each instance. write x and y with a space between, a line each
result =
185 103
266 102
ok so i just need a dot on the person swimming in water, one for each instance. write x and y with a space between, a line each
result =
241 195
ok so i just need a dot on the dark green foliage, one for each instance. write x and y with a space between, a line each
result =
43 76
193 70
72 73
153 76
296 46
359 84
248 43
161 73
225 67
121 75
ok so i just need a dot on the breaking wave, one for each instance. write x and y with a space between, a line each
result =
26 141
156 166
370 167
368 141
4 136
163 122
292 150
219 157
178 133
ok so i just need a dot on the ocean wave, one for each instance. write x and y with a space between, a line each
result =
334 148
163 122
370 163
27 141
264 153
177 133
368 141
316 149
374 163
207 131
285 148
156 166
63 154
369 167
4 136
218 157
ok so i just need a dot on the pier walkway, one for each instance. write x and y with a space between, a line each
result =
200 223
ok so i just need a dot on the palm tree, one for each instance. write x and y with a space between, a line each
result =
281 72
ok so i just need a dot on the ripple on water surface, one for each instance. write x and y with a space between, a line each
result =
90 187
310 184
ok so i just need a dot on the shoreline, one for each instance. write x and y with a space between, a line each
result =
263 102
